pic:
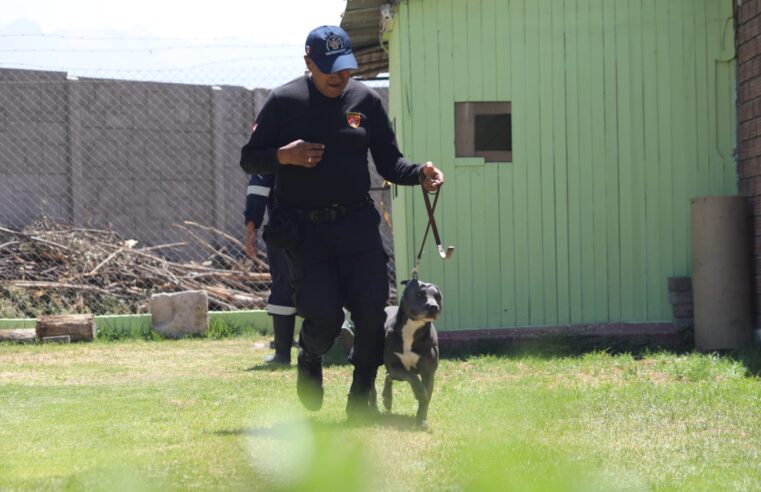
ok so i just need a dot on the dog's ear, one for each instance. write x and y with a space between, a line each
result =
405 282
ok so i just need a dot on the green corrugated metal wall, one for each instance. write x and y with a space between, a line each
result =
622 111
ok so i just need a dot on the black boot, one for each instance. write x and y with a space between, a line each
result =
361 403
309 380
283 326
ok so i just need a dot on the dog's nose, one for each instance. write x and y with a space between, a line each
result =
432 308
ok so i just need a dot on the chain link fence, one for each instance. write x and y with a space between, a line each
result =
112 189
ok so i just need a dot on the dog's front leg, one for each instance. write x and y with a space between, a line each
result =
421 395
422 412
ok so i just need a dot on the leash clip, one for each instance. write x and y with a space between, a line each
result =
445 254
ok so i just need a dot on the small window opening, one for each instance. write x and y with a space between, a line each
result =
484 129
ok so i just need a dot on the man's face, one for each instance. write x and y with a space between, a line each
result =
330 85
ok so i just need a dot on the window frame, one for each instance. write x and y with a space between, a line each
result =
465 123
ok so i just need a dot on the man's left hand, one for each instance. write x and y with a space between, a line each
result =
431 178
251 239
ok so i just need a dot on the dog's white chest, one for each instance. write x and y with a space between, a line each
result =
407 356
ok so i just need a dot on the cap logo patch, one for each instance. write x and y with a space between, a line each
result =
333 44
354 119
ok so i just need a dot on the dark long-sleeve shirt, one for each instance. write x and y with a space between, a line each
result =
348 126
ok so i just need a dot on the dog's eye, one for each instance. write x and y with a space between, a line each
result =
421 294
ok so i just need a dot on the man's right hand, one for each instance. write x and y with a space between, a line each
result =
300 153
251 239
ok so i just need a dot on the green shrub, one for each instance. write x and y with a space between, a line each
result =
113 331
222 328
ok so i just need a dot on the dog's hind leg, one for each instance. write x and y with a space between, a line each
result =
387 395
373 400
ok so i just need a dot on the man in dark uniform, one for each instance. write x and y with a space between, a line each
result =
314 133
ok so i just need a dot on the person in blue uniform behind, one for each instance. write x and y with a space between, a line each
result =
280 302
313 133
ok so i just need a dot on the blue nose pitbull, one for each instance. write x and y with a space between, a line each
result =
411 350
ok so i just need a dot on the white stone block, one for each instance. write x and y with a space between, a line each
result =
179 314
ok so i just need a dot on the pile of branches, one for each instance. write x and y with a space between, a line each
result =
87 268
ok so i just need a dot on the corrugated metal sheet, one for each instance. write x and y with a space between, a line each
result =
362 21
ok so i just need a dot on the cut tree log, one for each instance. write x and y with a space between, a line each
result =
20 335
80 327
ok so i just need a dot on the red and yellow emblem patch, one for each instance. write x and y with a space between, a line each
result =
354 119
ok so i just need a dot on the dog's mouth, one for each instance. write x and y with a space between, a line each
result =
428 315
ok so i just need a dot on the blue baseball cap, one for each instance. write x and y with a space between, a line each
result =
329 47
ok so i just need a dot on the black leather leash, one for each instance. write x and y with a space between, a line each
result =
445 254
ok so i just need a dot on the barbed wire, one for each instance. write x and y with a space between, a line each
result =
65 68
117 38
219 61
148 49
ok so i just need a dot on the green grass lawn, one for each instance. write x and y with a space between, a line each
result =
202 414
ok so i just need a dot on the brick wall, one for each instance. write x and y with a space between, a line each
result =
748 32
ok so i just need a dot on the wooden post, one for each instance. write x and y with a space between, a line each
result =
80 327
74 152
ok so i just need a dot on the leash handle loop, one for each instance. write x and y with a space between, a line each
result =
431 226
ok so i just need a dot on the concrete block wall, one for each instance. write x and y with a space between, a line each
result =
137 156
234 112
748 40
155 155
34 175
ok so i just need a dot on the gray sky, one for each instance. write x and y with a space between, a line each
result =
250 43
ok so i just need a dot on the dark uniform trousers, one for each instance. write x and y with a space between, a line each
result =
337 264
281 293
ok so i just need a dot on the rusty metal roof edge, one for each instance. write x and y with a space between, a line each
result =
361 20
